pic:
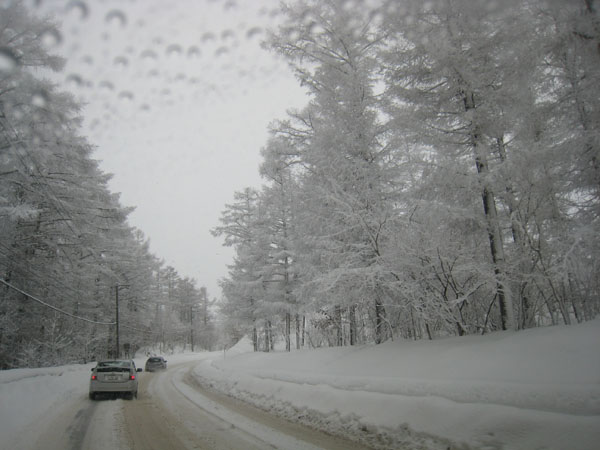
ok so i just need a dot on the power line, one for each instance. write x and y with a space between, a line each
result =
36 276
47 305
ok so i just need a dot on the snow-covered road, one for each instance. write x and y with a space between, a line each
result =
175 412
535 389
172 411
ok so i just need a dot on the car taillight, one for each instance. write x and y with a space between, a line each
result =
132 377
93 377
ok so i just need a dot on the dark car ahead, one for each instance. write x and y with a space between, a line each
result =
156 363
114 377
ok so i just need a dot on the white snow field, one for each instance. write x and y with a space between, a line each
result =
533 389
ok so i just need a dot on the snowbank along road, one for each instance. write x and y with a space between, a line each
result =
173 411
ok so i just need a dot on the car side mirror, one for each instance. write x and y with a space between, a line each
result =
139 369
92 369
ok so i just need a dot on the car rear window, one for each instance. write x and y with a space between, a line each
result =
113 366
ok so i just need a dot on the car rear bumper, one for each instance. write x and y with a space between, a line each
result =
98 386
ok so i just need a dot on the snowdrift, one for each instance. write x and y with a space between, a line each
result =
537 388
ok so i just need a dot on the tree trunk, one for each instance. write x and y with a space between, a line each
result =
288 338
497 251
338 324
303 330
297 332
353 325
412 322
519 241
268 336
429 336
493 223
379 321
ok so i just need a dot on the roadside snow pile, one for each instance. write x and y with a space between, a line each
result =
26 395
537 388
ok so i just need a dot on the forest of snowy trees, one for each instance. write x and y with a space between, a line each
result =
67 253
444 178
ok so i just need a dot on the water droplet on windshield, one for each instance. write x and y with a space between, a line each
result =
80 8
148 54
315 28
51 38
221 51
116 17
193 52
174 50
208 36
106 85
74 80
39 99
230 4
254 31
121 61
126 95
8 60
227 34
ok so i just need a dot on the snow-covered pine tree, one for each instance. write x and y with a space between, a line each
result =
343 180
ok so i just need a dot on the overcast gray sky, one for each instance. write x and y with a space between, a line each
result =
179 95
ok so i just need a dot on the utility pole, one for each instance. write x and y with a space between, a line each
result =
117 320
192 327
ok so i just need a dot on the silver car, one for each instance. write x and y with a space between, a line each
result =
114 377
156 363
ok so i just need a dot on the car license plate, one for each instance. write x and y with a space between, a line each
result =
111 378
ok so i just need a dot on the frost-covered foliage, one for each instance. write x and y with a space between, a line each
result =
443 179
66 251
